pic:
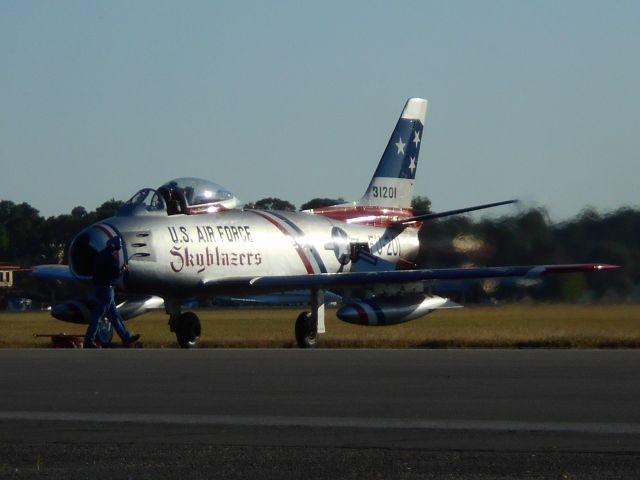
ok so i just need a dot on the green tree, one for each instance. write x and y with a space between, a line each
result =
108 209
22 240
272 203
4 239
420 205
79 212
321 202
61 230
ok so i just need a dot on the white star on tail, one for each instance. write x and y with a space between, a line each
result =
400 146
416 139
412 165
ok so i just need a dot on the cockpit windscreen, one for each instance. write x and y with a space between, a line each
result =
198 191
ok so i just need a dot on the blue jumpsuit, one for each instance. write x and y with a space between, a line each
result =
106 272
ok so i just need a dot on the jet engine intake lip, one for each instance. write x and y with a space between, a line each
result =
85 247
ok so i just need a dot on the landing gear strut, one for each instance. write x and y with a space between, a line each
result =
310 324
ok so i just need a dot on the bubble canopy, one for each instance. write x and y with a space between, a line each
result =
200 192
187 196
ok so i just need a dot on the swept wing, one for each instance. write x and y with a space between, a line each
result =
356 279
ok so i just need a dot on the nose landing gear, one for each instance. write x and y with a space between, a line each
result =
185 325
187 328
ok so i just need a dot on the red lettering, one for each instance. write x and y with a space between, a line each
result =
175 251
182 258
188 257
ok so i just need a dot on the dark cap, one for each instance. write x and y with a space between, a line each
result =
115 243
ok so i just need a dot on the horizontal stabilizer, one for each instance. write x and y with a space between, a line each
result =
389 194
448 213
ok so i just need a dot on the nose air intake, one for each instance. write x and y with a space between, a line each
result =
85 247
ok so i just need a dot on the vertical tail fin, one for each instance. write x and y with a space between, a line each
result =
393 181
388 198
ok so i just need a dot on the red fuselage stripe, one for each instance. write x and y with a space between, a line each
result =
105 231
362 314
280 227
367 215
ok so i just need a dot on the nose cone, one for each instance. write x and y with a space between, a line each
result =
85 247
357 313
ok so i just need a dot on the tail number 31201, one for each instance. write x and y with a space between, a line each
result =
385 192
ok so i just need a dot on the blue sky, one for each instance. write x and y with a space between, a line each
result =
532 100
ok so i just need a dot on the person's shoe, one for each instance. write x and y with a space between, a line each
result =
132 339
88 344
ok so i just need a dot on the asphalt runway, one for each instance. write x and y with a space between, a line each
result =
319 414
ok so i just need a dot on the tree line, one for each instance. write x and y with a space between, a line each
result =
524 238
530 238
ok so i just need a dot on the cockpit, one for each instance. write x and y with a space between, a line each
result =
182 196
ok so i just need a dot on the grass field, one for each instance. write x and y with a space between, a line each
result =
509 326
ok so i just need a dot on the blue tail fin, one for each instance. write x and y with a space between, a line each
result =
387 201
393 181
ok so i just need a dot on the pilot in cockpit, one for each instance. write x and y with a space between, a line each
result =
188 195
193 196
174 197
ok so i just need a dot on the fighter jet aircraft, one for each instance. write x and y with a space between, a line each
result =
192 238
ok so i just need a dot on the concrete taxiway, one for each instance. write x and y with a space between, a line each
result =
320 414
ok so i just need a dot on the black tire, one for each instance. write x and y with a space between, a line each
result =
188 329
306 331
104 334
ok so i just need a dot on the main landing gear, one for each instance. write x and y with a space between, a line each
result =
310 324
306 331
188 329
185 325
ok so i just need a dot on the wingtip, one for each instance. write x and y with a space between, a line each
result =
605 266
580 267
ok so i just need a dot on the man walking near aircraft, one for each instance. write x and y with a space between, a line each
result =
106 271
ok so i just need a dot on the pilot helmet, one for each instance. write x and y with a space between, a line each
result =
114 243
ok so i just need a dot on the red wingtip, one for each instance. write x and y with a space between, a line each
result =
605 266
579 267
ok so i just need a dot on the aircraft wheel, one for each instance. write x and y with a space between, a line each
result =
306 331
188 329
104 334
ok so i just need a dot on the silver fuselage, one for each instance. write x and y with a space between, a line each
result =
174 256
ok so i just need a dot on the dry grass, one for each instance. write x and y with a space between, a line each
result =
512 326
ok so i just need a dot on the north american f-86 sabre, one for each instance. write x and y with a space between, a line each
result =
193 238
